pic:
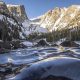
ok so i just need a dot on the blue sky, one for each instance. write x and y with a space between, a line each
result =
36 8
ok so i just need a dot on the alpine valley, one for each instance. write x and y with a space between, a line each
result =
44 48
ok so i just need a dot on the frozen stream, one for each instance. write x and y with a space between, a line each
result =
41 62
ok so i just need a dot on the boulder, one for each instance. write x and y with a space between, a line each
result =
8 71
42 43
54 45
69 44
5 45
11 45
16 44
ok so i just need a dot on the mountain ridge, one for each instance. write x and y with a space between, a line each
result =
53 20
58 17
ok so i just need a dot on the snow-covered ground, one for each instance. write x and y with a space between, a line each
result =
57 66
27 43
78 42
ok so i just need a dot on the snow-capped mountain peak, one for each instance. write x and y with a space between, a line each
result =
58 18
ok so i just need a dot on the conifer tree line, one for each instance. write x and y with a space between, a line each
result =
72 34
8 31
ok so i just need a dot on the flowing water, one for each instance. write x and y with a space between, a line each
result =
22 58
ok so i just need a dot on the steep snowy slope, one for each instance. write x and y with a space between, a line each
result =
28 26
56 19
51 18
32 27
19 14
59 18
70 14
9 27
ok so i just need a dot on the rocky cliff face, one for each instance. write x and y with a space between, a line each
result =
10 29
18 11
3 7
70 15
56 19
60 18
50 18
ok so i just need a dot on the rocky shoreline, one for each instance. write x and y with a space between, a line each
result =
12 45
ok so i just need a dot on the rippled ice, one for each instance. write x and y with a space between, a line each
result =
21 56
32 55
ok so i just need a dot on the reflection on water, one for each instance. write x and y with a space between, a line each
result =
23 57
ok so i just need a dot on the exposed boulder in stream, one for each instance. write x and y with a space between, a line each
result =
11 45
54 45
42 42
69 44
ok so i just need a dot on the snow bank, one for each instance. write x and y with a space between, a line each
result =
57 66
27 43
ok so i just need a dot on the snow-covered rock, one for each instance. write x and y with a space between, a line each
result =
42 42
27 43
57 66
